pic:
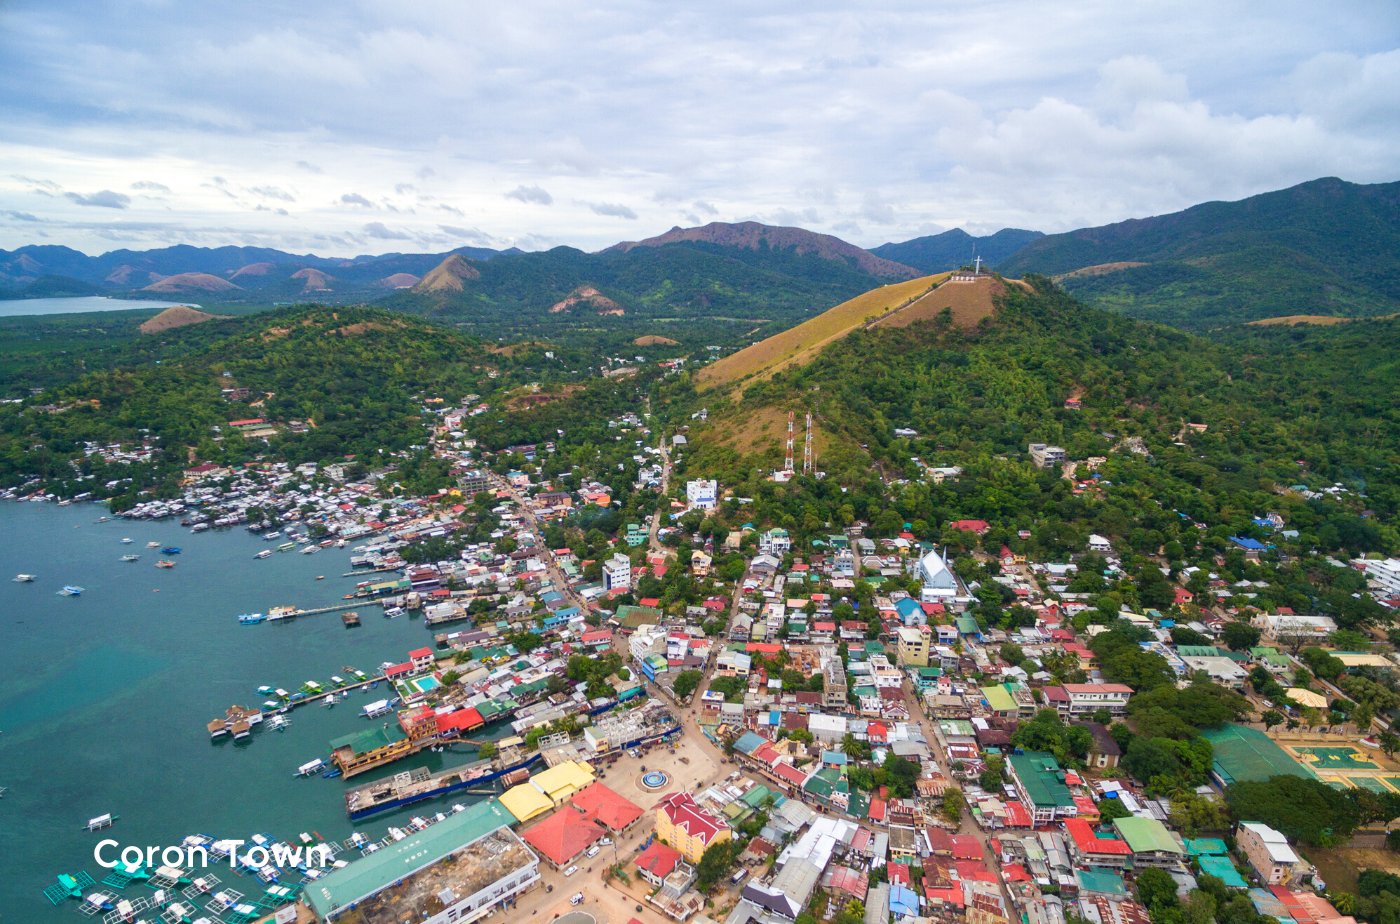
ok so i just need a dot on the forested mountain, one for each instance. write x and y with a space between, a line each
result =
939 253
680 280
1326 247
1280 407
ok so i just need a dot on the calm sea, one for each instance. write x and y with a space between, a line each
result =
104 697
27 306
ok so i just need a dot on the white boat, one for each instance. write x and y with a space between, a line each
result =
265 553
310 767
125 541
131 558
377 708
153 545
23 578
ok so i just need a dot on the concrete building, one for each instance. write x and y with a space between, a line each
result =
914 643
1269 853
702 495
1045 456
775 542
1041 784
834 687
1098 543
617 573
685 826
459 869
939 582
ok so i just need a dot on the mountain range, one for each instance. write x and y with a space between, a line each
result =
1326 247
1322 248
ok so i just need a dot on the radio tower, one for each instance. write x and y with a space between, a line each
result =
787 465
807 449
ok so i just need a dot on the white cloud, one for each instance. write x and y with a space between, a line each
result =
150 186
611 209
104 199
886 118
534 194
378 231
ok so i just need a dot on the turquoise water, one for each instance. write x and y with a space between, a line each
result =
16 307
104 697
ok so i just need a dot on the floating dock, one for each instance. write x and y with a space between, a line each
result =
350 619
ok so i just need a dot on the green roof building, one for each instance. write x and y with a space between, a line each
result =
1041 783
466 863
1245 754
1151 842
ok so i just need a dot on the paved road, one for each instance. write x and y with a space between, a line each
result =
556 574
653 542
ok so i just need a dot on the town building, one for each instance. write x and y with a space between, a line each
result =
1269 853
939 583
1044 456
459 869
913 646
690 829
702 495
617 573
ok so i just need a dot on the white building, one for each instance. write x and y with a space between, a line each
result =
1098 543
617 573
939 582
702 495
1276 624
775 542
1385 575
1045 456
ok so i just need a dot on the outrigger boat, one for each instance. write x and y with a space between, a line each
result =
131 558
165 564
126 542
170 549
265 553
310 767
101 821
71 590
23 578
69 886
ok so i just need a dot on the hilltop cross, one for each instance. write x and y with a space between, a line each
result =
977 271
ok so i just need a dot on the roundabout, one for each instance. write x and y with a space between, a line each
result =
654 780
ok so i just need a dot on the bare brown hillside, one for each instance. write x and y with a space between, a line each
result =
177 316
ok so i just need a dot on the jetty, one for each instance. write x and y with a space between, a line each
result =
278 613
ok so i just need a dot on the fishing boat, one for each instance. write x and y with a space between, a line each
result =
310 767
320 577
265 553
310 548
268 537
165 564
249 619
101 821
153 545
286 546
131 558
278 722
393 612
170 550
331 774
265 690
126 542
23 578
71 590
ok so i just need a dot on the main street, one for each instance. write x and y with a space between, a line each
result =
556 574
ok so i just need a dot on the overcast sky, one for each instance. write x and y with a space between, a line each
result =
354 127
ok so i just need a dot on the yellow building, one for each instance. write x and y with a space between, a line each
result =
525 801
914 645
561 781
688 828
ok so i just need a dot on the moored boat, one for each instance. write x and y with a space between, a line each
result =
265 553
23 578
71 590
131 558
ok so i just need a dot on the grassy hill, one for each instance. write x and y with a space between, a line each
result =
956 248
1326 247
800 344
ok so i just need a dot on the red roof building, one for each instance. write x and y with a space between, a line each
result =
1104 851
966 847
971 526
561 837
656 862
599 803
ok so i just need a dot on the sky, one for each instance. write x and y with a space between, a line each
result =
350 128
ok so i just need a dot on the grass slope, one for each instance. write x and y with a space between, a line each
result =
1326 247
800 344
